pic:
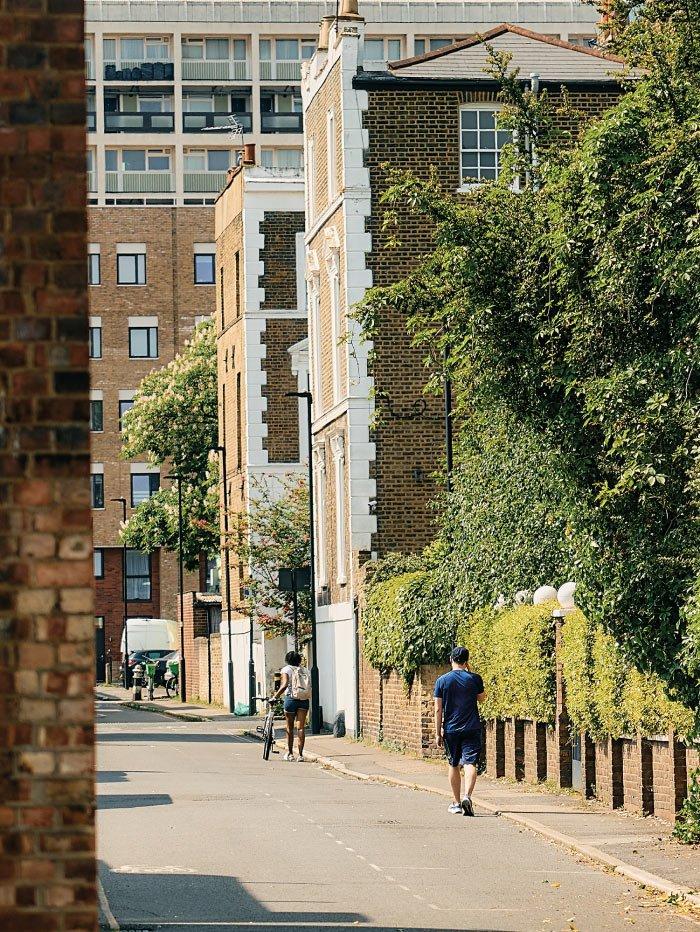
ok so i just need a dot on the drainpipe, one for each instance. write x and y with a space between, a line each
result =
535 89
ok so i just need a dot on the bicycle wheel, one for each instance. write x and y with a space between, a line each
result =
268 736
171 688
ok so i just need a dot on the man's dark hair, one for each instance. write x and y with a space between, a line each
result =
293 658
460 655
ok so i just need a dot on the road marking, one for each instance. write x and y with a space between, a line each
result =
404 888
392 879
375 867
338 842
104 906
138 869
350 849
361 857
417 896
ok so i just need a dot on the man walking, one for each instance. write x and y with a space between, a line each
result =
458 726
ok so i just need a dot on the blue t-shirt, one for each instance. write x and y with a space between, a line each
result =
458 690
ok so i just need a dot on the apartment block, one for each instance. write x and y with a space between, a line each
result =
378 439
262 351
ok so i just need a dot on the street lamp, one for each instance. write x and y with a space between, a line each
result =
183 673
126 630
231 704
315 706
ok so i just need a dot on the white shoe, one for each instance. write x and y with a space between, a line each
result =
289 756
301 759
455 809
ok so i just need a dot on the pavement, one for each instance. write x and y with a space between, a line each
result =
196 831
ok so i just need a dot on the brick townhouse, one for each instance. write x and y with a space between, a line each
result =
373 474
163 81
262 354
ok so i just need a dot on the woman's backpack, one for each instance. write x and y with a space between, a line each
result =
301 683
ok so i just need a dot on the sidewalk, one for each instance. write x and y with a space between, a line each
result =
640 849
188 711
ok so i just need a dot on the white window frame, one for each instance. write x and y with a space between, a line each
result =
338 448
333 265
311 179
494 108
331 156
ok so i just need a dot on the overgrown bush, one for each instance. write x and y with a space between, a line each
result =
513 650
687 827
606 695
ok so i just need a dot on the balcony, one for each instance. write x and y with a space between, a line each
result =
204 182
150 182
91 121
139 122
282 122
280 71
194 69
193 122
139 71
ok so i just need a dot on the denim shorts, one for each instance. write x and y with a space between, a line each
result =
463 747
292 706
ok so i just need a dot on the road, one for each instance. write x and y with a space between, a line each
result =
197 832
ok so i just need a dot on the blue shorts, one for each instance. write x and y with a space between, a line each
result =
292 706
463 747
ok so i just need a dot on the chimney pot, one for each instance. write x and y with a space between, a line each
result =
249 153
349 8
324 32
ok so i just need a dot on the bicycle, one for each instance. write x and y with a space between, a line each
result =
267 730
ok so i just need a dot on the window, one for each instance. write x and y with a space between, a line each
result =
287 50
143 342
124 406
311 179
131 268
282 158
239 425
96 342
216 49
98 563
93 268
421 46
204 268
330 155
336 326
221 297
138 576
98 490
381 50
338 449
481 143
143 485
218 160
96 414
237 282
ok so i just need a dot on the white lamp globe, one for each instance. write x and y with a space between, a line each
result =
565 595
544 594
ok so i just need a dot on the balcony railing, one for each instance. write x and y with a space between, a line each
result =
138 182
280 71
139 71
204 182
194 69
193 121
91 121
282 122
139 122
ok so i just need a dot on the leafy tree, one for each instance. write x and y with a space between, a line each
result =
174 423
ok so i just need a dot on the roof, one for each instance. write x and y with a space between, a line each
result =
531 52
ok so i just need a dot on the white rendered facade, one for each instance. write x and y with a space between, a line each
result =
176 70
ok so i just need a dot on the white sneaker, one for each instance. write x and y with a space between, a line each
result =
301 759
289 756
455 808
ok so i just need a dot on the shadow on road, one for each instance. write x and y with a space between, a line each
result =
181 737
133 801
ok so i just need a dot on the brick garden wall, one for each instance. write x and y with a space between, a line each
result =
47 870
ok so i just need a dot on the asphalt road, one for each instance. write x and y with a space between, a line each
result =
196 833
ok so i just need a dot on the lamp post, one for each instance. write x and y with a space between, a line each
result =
315 706
126 629
231 703
181 586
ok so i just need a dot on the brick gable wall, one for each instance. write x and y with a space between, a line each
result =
281 417
47 869
279 258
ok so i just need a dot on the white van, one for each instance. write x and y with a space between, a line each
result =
151 634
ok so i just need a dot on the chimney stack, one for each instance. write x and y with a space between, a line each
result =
349 10
249 153
324 33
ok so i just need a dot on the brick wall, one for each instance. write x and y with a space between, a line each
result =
47 872
195 625
109 600
279 258
282 441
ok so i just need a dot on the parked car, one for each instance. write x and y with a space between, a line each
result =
142 656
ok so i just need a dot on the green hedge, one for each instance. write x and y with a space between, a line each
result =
513 650
605 694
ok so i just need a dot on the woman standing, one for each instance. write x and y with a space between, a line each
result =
296 686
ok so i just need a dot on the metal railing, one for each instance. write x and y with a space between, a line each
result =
139 122
280 71
196 69
282 122
135 182
194 121
204 182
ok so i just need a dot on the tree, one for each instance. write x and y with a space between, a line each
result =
174 423
568 316
274 536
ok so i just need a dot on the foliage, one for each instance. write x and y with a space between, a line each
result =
405 624
174 423
606 695
513 651
274 536
687 827
567 315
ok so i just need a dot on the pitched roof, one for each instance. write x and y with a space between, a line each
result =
532 52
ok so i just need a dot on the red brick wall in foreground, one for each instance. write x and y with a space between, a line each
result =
47 874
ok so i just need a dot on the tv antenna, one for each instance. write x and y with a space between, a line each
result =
233 127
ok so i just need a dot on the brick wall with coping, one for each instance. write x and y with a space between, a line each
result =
47 869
